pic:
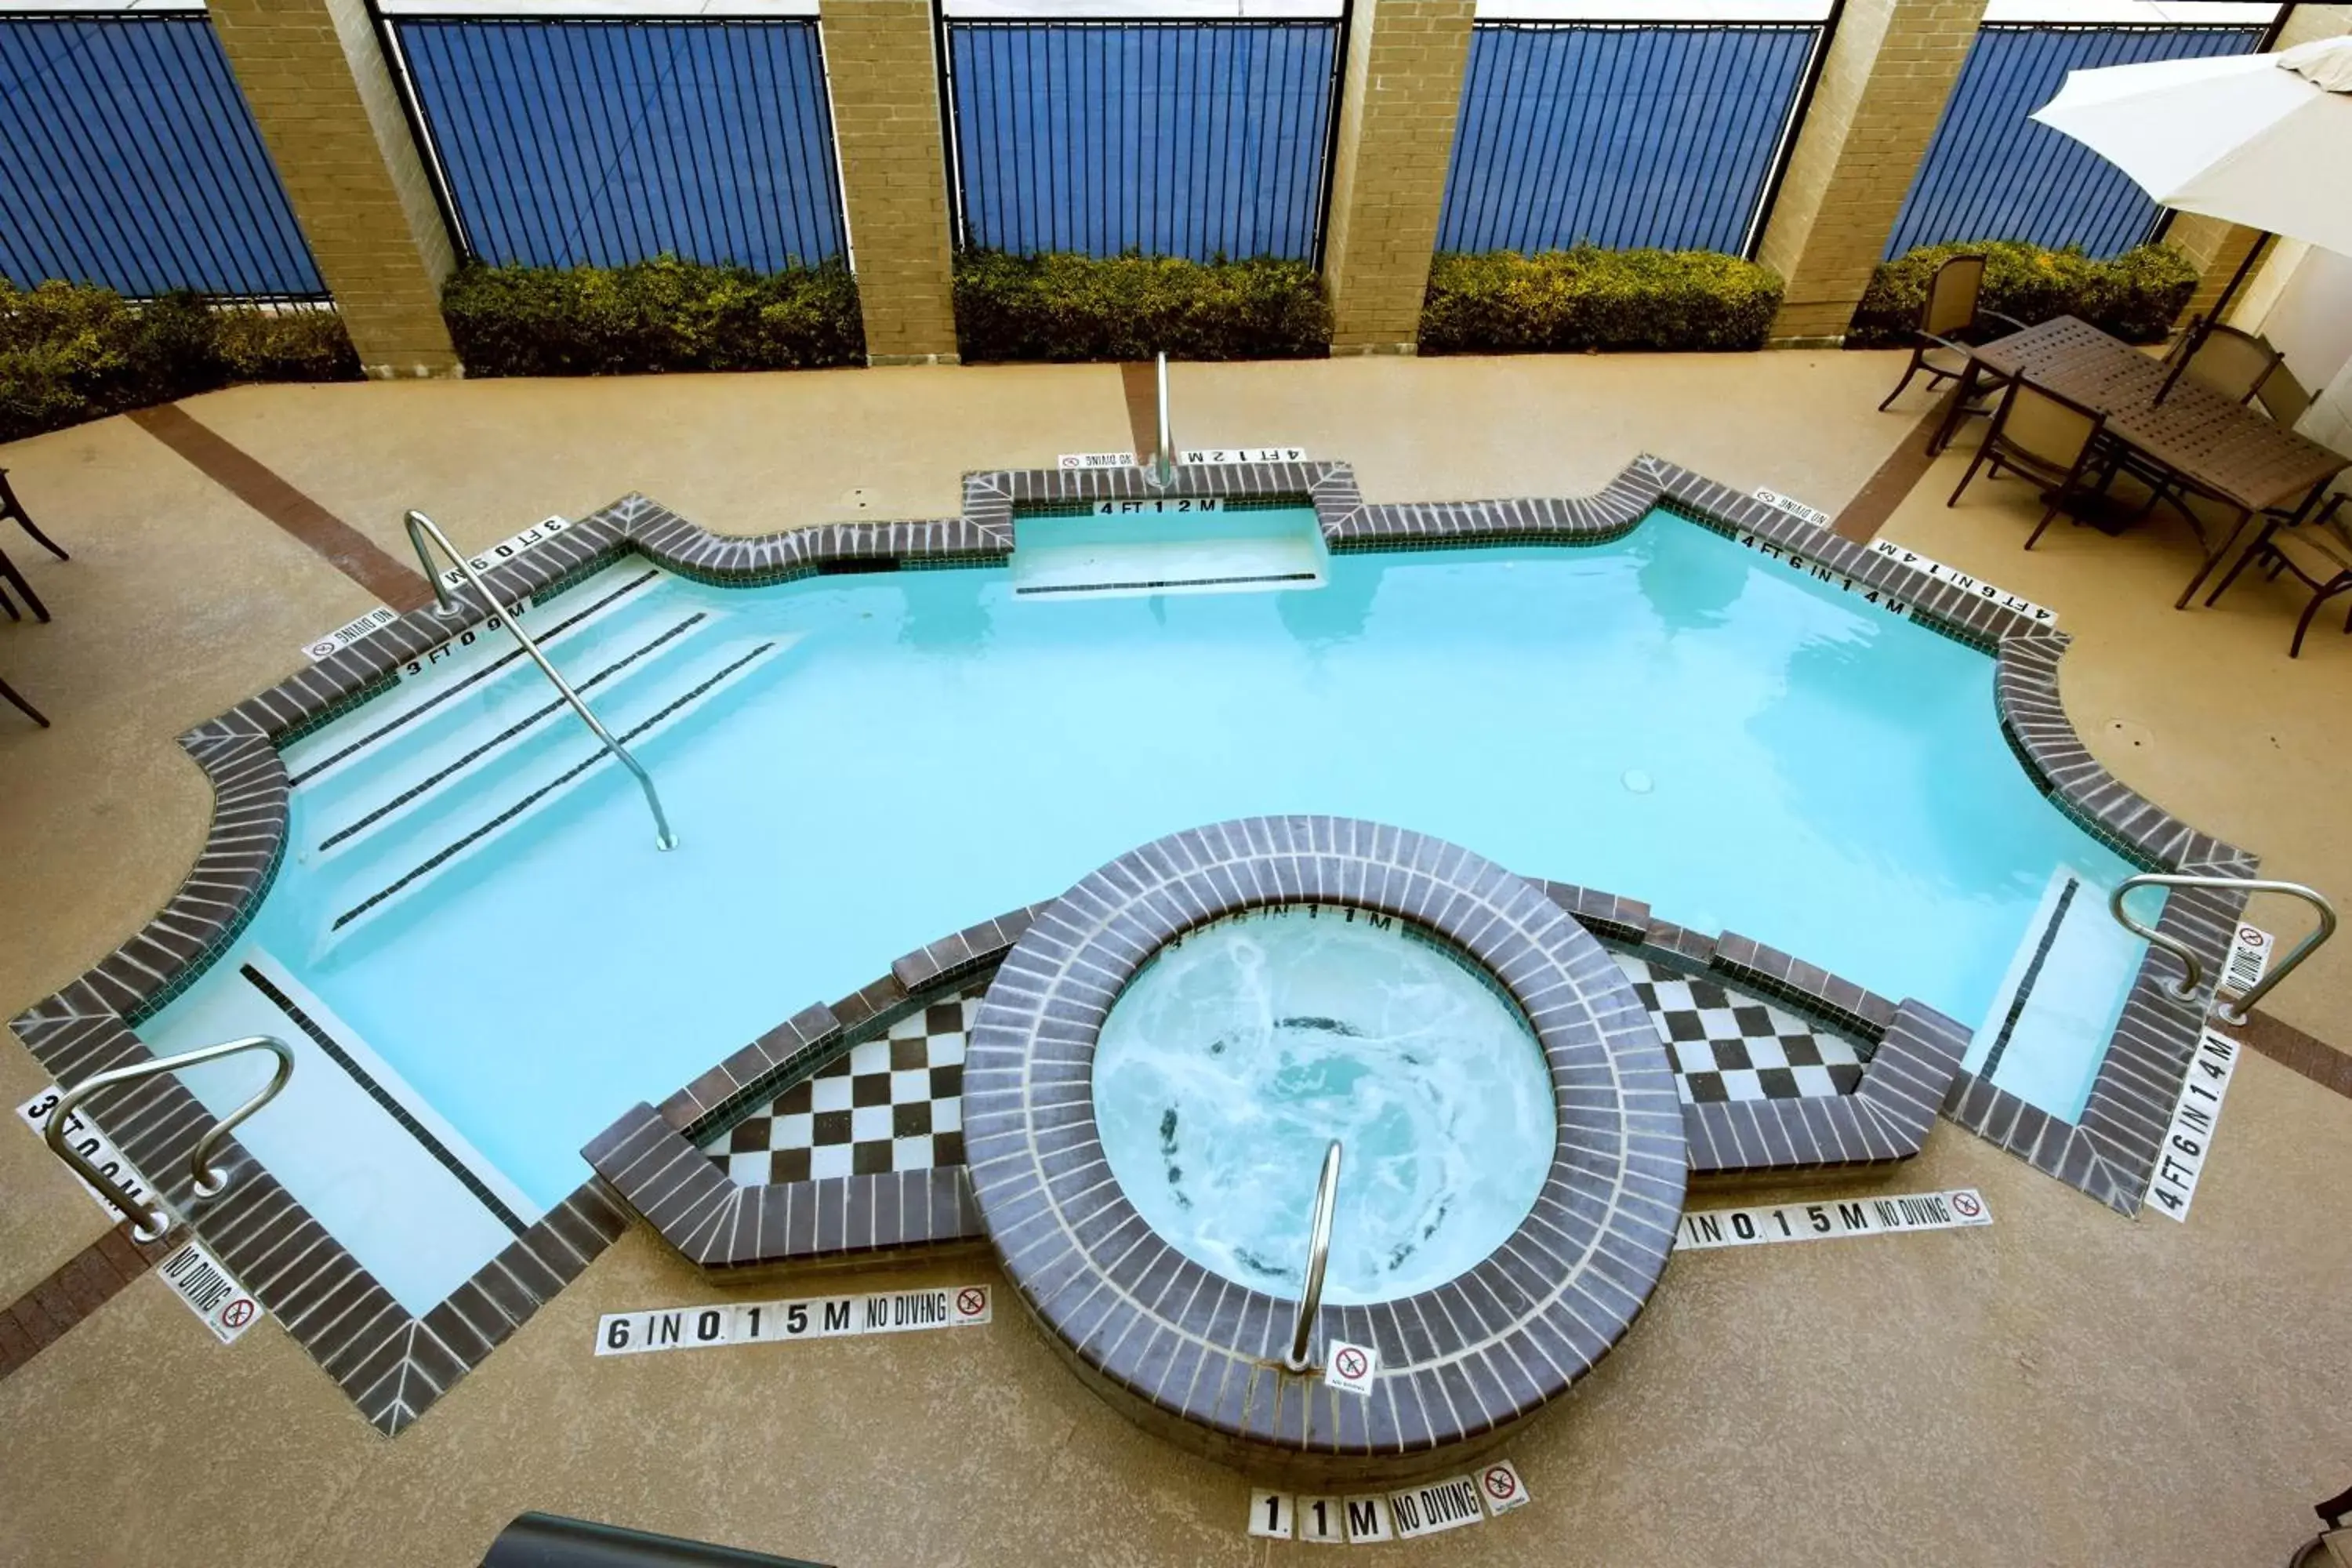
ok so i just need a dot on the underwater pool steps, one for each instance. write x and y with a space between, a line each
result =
465 761
433 705
421 527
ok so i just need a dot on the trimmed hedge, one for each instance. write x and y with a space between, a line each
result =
69 352
659 315
1499 301
2136 296
1061 306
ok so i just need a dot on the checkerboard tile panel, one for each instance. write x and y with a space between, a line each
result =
1727 1045
893 1103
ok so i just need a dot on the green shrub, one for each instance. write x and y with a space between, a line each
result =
69 352
1061 306
1499 301
2137 296
659 315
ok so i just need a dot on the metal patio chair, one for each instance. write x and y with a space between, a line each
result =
1952 318
11 507
2050 440
8 694
2319 554
2222 360
2282 396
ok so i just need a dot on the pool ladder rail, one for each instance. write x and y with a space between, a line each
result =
1161 470
2230 1011
210 1179
1318 1255
421 528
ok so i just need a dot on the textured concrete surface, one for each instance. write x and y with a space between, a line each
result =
2064 1387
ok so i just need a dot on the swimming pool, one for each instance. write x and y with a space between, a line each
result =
472 910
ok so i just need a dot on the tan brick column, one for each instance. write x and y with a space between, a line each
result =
884 65
1399 98
2217 247
1882 89
324 100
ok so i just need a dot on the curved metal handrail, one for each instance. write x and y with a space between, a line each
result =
419 527
2193 968
209 1178
1164 461
1318 1254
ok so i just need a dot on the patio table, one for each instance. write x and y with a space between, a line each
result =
2224 449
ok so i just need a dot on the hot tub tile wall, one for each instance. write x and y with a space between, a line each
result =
84 1026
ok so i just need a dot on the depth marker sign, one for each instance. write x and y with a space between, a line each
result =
1955 1210
809 1318
2187 1141
1494 1489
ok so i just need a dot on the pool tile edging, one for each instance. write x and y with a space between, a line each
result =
247 836
644 1156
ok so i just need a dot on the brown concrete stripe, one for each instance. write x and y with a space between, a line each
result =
1141 383
83 1284
1904 467
243 475
2315 1059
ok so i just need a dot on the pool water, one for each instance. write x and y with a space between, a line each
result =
1233 1058
858 764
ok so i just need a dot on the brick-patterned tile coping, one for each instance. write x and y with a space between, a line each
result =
394 1363
1466 1360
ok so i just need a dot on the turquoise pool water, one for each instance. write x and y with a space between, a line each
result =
1233 1058
858 764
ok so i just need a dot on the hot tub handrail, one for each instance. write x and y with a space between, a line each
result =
151 1218
420 526
2193 968
1318 1254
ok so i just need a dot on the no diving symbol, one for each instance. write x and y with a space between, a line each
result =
237 1313
1350 1363
1501 1484
1967 1206
970 1300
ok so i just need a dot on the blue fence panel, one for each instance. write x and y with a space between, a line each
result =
1622 136
574 143
129 158
1177 139
1992 174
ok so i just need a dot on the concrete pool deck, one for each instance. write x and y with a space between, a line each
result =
1967 1392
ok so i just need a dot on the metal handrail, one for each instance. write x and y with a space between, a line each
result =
1164 461
2193 968
419 527
1318 1254
209 1178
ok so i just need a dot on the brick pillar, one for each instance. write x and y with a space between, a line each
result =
2215 246
332 120
1400 100
1882 89
883 64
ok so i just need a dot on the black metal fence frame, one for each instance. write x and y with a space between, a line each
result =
1336 93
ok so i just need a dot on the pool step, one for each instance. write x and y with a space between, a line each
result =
2047 1030
491 804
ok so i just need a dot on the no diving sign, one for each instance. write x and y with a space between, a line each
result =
206 1288
1489 1492
809 1318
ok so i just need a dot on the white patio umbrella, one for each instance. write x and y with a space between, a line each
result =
2260 140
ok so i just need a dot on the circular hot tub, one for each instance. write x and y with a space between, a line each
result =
1242 1049
1157 1067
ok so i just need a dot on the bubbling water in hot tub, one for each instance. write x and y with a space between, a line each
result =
1239 1052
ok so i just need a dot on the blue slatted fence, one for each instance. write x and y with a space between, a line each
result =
1196 140
572 142
1623 136
1992 174
129 158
